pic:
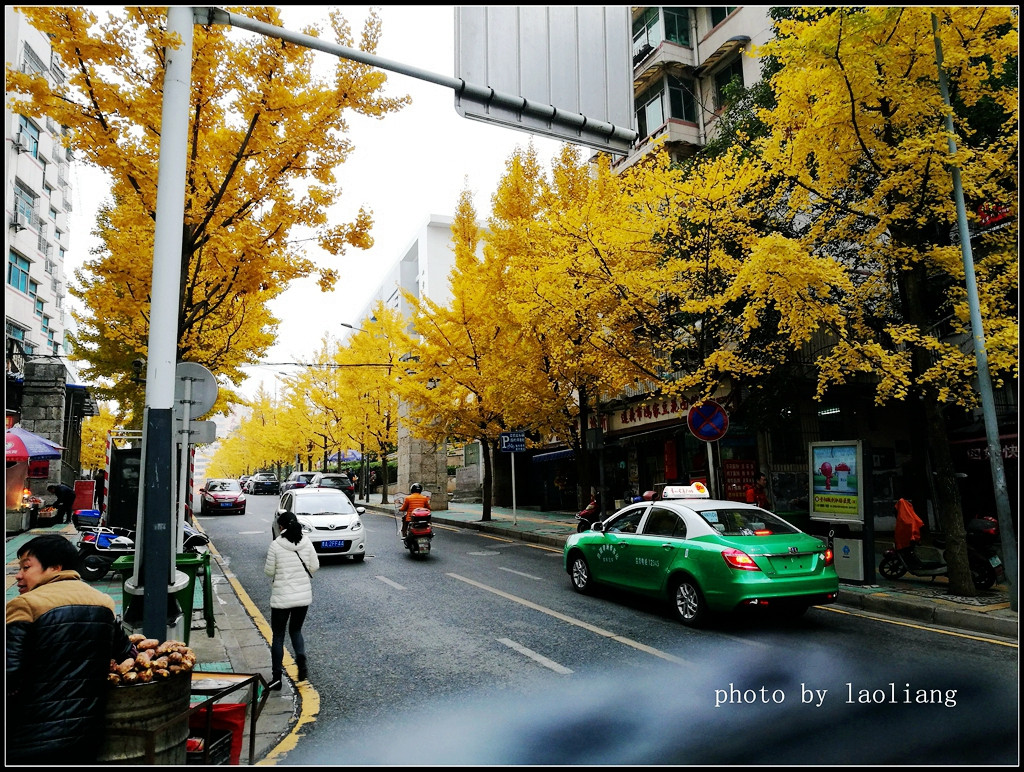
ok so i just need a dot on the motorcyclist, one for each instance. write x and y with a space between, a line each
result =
414 500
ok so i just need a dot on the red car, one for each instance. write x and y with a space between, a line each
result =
221 497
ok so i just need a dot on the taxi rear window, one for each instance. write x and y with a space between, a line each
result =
746 522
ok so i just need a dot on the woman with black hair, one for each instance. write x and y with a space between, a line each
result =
291 561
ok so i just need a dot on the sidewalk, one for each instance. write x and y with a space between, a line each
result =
240 642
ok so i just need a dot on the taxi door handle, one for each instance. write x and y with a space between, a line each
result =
667 546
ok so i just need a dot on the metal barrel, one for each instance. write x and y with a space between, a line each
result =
148 723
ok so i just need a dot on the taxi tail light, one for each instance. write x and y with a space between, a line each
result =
829 556
739 559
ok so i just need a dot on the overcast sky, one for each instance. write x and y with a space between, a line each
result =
405 167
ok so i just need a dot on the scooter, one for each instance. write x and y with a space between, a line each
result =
588 516
981 538
420 534
100 546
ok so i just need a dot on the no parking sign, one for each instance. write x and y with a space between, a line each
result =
708 421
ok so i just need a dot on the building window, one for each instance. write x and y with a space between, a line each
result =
24 201
53 214
646 31
49 266
17 271
677 25
719 14
40 303
46 325
649 112
732 71
682 98
58 236
28 129
31 63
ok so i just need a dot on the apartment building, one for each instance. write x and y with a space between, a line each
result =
683 57
37 202
41 392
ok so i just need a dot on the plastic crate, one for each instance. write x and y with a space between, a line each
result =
220 748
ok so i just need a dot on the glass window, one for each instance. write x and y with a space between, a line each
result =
732 71
646 30
13 331
677 25
665 522
28 129
627 522
649 112
17 271
682 99
24 201
746 522
718 14
39 307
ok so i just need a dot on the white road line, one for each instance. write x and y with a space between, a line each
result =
396 585
519 573
535 656
577 622
249 533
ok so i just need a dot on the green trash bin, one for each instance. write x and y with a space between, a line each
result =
186 562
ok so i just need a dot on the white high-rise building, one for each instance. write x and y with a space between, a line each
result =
37 201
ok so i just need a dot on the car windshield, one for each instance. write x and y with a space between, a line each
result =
746 522
223 485
324 505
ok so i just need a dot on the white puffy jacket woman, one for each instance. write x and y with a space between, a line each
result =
291 563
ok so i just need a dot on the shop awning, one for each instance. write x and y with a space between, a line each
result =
554 455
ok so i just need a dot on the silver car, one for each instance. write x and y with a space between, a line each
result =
328 518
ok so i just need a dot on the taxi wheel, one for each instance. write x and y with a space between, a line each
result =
579 573
689 603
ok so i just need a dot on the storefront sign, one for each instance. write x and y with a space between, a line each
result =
646 413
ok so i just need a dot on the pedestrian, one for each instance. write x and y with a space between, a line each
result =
65 500
61 637
291 561
757 494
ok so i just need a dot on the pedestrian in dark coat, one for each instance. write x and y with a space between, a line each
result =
61 636
65 501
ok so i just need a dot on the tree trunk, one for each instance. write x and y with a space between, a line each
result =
947 495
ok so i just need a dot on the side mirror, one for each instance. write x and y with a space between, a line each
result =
361 510
597 525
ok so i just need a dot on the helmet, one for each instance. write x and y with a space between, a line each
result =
415 488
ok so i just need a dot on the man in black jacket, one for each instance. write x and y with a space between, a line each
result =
65 500
61 636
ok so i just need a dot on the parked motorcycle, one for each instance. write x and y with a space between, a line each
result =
420 534
100 546
982 537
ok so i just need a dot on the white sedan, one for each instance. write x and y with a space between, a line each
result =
328 518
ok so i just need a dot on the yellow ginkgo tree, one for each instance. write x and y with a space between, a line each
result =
266 138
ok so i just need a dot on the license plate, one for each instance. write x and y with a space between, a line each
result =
331 543
995 561
226 503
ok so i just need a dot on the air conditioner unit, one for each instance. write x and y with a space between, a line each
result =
23 142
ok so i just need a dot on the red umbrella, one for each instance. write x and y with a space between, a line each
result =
23 445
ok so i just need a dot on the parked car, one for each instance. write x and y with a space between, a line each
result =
704 556
338 480
328 518
221 496
264 482
297 480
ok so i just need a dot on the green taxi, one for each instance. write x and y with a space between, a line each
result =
704 556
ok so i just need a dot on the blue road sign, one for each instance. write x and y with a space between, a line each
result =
512 442
708 421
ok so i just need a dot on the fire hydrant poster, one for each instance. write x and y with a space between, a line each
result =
835 481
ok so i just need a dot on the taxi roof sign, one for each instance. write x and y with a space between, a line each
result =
697 490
